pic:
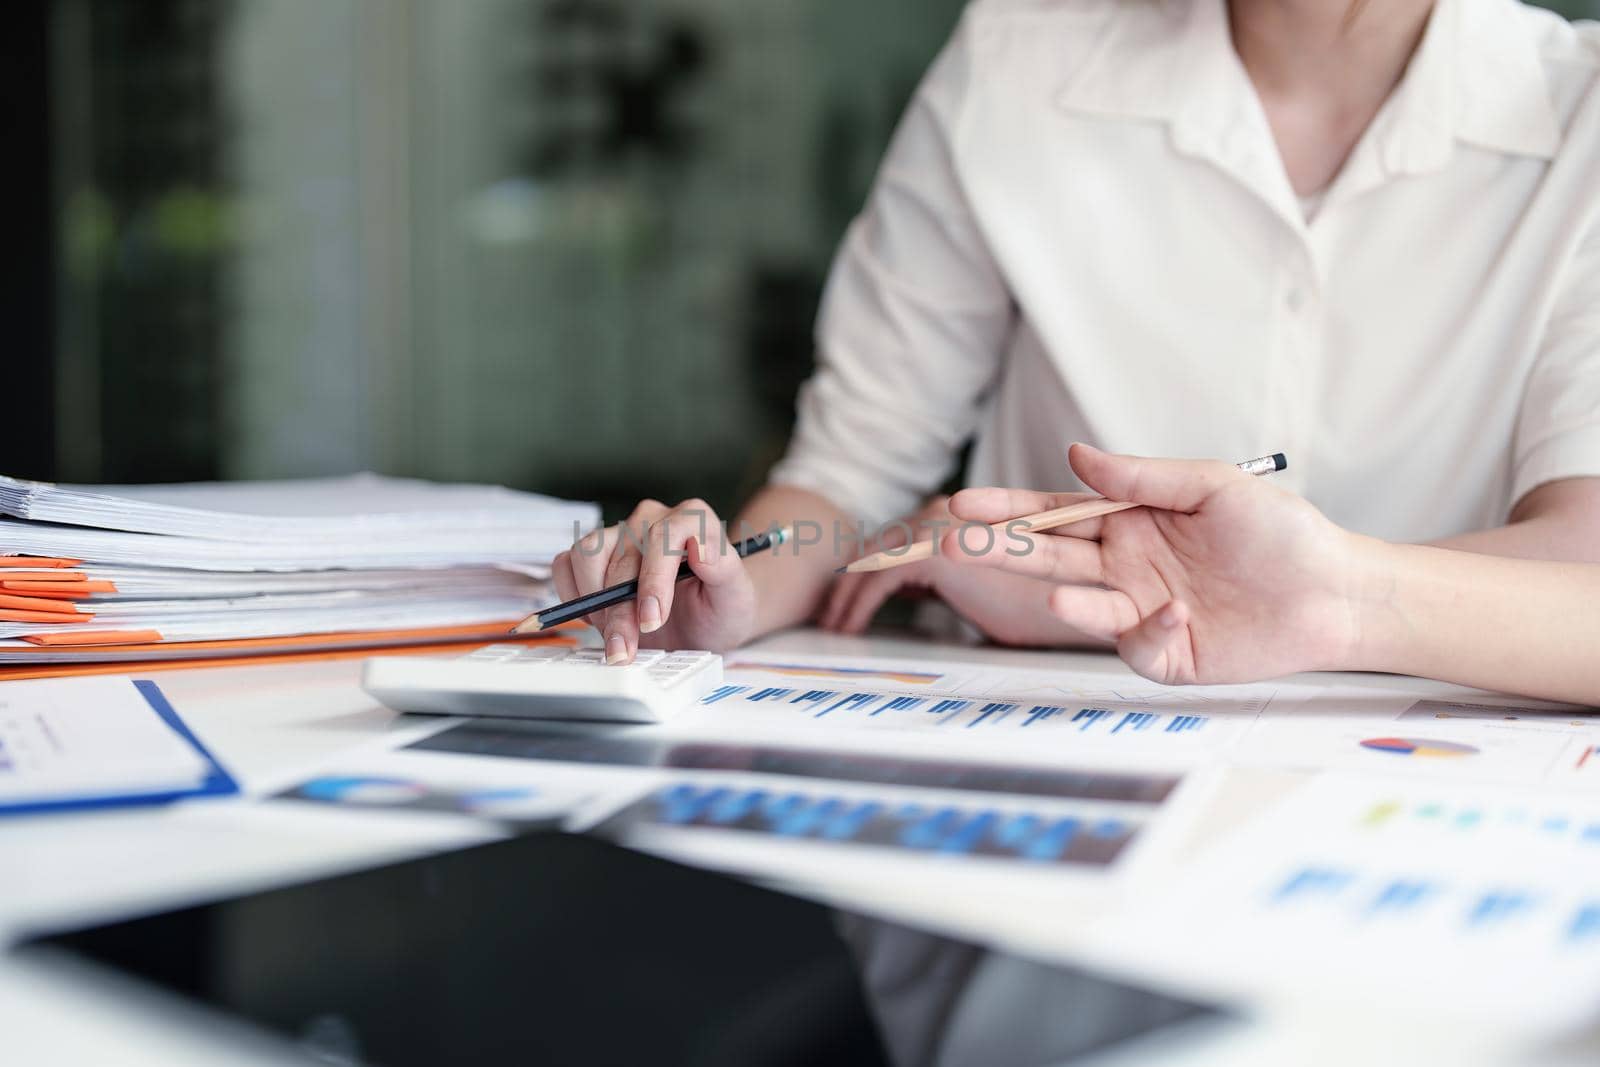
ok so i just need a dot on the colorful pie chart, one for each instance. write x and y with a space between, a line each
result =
1418 746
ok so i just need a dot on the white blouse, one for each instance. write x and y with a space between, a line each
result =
1083 231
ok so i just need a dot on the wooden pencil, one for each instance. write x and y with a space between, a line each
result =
1038 522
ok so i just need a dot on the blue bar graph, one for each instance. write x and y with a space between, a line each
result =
949 829
899 704
1089 716
1498 907
1052 841
685 804
928 831
1042 713
735 806
849 703
1098 723
776 809
949 707
966 838
848 824
1585 925
808 817
1017 829
994 711
1399 896
1313 881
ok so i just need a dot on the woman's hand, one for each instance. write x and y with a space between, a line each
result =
1011 609
1221 577
717 612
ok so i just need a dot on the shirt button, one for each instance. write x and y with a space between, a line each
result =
1295 299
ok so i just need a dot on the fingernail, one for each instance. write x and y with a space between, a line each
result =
1168 616
649 615
616 649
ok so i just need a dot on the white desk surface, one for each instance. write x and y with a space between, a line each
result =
269 724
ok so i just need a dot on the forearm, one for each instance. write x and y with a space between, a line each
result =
1558 520
1523 626
790 580
1545 538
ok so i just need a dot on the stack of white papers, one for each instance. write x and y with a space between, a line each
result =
360 521
216 562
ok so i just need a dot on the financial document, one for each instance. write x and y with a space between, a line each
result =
1046 711
1447 852
1477 903
85 738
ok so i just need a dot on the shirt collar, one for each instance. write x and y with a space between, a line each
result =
1477 77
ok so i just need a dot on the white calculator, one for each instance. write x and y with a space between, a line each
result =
522 682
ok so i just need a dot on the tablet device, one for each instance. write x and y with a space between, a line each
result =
557 948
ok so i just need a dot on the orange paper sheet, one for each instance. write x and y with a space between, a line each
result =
96 637
45 576
37 561
61 592
12 585
42 616
32 603
21 671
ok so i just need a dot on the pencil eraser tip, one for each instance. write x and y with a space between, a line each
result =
1279 461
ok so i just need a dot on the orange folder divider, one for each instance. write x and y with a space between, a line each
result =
45 576
43 616
20 671
11 585
62 591
31 603
37 561
96 637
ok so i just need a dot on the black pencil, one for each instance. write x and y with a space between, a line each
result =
578 607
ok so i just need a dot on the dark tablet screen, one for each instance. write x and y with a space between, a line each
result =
554 948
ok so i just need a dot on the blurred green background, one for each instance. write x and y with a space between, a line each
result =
566 245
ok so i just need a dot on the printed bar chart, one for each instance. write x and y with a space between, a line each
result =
959 712
1085 838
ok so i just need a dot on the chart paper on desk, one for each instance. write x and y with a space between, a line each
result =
1051 712
1394 734
1448 901
87 737
1041 770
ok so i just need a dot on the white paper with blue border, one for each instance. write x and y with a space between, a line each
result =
74 744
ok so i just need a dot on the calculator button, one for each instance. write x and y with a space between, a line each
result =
538 655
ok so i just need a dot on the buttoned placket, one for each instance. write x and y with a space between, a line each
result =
1302 342
1246 152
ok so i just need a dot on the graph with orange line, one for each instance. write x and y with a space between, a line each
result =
806 670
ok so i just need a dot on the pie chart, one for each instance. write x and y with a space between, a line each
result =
1418 746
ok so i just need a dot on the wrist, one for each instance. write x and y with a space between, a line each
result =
1377 618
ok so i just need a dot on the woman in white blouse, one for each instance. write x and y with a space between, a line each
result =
1363 234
